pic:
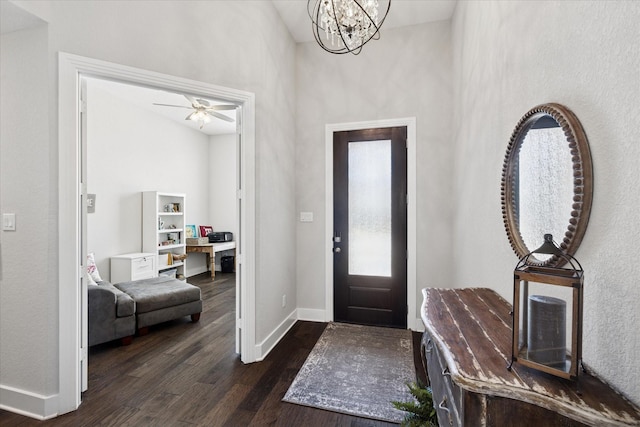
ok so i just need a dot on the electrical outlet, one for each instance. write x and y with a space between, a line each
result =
284 301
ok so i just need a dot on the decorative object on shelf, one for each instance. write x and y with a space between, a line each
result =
547 308
547 182
205 230
197 240
347 24
178 257
190 231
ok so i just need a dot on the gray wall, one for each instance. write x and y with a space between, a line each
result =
28 188
407 73
467 82
242 45
508 58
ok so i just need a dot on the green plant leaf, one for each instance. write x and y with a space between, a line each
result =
420 411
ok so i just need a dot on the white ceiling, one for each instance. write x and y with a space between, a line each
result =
144 98
401 14
14 18
296 18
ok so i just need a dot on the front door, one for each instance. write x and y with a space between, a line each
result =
370 221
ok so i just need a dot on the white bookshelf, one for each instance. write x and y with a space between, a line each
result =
163 225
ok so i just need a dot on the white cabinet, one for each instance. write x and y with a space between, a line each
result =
137 266
163 231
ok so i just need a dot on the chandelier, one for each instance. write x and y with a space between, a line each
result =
344 26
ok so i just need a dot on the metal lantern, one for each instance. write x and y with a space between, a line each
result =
547 313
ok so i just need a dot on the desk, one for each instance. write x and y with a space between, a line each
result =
210 249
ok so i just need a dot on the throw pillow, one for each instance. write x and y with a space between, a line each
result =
92 269
90 280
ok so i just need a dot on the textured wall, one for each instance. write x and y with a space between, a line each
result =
509 57
28 266
242 45
405 73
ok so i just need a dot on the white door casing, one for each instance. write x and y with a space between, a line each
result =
71 68
413 322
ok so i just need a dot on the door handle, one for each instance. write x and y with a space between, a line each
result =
337 250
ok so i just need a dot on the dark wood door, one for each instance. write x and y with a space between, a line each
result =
370 226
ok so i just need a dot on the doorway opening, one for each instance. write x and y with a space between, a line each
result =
72 68
370 226
412 320
136 139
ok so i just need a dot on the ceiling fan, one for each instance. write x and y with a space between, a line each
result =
203 110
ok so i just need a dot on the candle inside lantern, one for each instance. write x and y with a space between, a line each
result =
546 339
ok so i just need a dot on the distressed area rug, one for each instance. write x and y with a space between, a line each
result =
357 370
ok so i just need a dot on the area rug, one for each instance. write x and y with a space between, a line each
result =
357 370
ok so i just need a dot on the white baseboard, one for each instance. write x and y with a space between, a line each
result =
307 314
263 348
28 404
418 326
195 271
311 314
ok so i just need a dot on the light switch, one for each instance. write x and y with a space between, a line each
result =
306 216
9 222
91 203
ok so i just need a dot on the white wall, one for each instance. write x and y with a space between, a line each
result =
406 73
28 185
242 45
509 57
130 150
222 183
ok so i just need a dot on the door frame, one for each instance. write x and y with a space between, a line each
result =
70 68
413 322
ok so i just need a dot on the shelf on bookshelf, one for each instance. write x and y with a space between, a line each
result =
177 245
167 267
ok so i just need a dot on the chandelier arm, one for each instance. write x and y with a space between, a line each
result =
315 13
315 26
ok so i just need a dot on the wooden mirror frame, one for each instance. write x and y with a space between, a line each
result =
582 182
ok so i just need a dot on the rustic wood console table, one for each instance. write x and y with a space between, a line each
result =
466 349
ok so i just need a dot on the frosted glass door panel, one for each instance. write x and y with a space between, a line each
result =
370 208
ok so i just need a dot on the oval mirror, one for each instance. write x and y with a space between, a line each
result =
547 183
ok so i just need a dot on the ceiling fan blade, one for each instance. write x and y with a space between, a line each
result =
192 100
220 116
203 102
171 105
189 117
222 107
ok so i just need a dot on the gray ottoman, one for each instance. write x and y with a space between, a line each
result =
161 299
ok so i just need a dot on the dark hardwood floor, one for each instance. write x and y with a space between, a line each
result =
187 374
